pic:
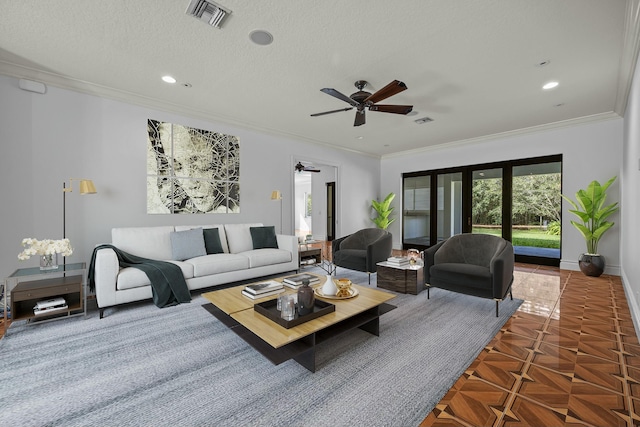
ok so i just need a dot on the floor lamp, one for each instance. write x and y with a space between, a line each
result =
86 187
277 195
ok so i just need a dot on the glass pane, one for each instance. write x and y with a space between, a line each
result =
486 203
449 214
416 211
536 209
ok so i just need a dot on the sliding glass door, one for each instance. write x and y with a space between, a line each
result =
449 203
417 211
486 201
518 200
536 210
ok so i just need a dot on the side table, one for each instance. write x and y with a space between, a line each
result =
26 286
407 279
309 256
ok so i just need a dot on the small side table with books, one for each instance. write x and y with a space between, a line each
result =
43 295
400 276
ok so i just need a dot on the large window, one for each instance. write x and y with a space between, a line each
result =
518 200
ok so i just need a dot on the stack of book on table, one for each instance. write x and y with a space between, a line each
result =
296 281
398 261
50 306
262 289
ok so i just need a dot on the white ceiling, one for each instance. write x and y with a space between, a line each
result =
471 66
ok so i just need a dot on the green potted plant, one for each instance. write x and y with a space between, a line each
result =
383 209
590 208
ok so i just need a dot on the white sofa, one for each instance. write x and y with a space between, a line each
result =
239 261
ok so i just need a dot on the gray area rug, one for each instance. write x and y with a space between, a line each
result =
179 366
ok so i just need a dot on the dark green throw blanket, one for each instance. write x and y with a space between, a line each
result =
167 282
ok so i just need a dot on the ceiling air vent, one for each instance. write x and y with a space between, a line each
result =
423 120
207 11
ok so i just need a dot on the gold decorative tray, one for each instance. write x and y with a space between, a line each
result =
352 293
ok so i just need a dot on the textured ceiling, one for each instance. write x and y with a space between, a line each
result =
471 66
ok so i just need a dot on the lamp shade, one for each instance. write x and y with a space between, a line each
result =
276 195
87 187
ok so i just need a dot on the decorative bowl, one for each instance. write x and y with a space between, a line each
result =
344 285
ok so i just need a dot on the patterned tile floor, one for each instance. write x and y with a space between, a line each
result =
568 357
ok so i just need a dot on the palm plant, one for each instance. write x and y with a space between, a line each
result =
590 208
383 209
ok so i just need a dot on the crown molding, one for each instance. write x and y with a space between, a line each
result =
629 56
22 72
524 131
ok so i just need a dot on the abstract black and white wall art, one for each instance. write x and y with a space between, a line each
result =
191 170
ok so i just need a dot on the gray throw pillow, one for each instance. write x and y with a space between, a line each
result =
212 241
187 244
264 237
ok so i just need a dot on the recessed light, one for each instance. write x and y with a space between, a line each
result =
359 137
550 85
261 37
168 79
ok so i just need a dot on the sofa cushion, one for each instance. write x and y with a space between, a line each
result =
263 237
220 227
353 259
218 263
146 242
477 249
467 275
187 244
212 241
267 256
239 237
131 277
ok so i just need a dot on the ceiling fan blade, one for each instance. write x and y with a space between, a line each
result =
360 118
396 109
391 89
336 94
330 112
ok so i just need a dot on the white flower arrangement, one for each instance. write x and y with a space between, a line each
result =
44 247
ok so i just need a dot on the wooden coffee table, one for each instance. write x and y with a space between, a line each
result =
279 344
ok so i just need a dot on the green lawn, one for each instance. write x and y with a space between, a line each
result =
531 238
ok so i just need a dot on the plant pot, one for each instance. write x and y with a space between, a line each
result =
591 264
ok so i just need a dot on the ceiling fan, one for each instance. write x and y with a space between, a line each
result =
302 168
361 100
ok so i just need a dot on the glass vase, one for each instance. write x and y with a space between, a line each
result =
48 262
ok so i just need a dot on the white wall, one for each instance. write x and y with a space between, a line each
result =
47 139
590 151
630 207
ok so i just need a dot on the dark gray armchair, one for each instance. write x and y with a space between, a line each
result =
473 264
362 250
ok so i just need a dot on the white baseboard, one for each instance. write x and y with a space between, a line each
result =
613 270
633 303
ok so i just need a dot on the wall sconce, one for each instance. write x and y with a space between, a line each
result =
86 187
277 195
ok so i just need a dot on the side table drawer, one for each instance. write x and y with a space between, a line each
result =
44 292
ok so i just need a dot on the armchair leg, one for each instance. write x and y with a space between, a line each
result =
497 302
369 277
428 289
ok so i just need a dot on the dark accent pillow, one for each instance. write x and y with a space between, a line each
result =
187 244
264 237
212 241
